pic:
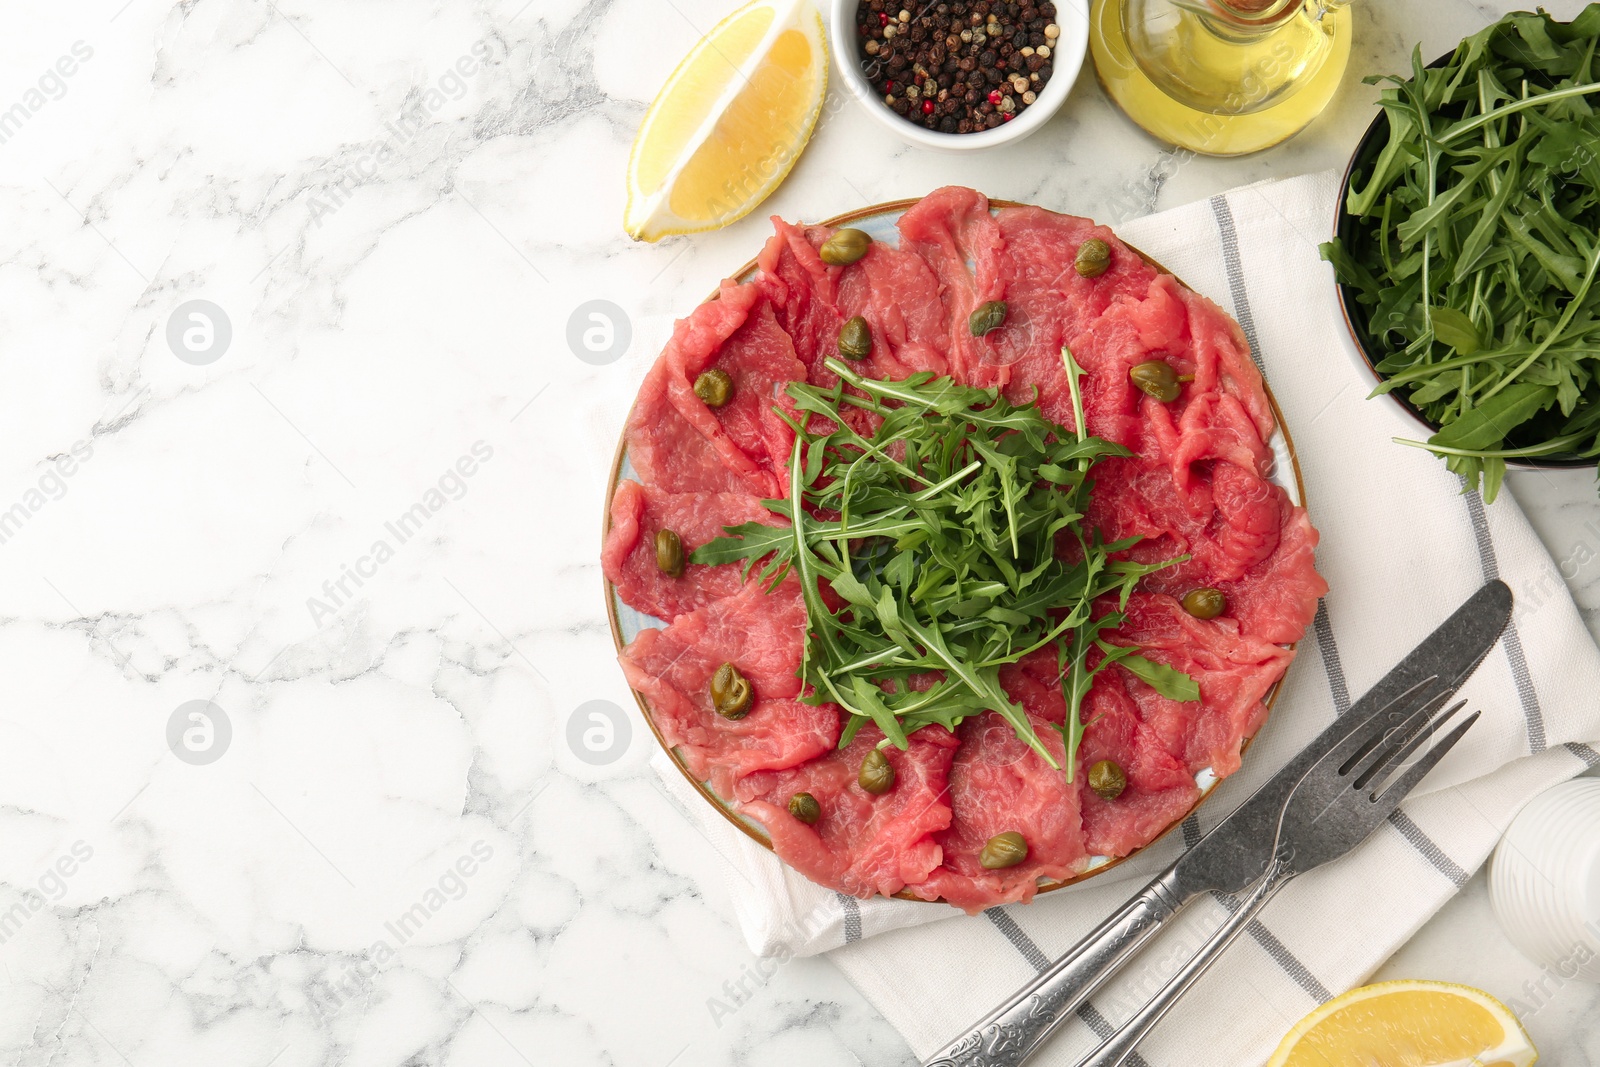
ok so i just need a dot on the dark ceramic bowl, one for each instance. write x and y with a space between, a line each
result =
1369 346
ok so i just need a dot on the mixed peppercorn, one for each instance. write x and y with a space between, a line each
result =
957 67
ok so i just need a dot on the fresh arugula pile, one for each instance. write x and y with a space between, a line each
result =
939 533
1476 242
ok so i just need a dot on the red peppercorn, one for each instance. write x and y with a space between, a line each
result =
927 107
994 95
1006 117
883 20
889 89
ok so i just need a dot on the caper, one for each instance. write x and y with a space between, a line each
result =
877 774
669 553
1107 779
1094 257
714 387
1205 603
855 339
1156 378
1003 850
845 247
989 316
730 692
804 807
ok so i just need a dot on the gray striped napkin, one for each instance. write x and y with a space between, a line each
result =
1401 547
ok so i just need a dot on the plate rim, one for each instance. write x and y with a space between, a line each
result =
721 806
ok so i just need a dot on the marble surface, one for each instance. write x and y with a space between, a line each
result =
355 533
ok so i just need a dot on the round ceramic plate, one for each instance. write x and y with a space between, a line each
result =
879 221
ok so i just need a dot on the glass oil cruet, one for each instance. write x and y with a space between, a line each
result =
1221 77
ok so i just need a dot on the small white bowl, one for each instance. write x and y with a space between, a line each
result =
1067 60
1544 882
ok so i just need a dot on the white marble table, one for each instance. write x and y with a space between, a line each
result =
363 527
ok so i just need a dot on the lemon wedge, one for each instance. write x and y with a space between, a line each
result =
1408 1024
730 122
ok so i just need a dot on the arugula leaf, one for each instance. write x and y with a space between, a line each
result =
1077 678
1168 681
1486 425
942 535
1455 329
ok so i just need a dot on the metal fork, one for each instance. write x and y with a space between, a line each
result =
1342 799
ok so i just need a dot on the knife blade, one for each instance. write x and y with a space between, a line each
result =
1236 851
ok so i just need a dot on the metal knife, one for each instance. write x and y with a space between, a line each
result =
1234 854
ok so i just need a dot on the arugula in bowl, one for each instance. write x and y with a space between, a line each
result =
1471 242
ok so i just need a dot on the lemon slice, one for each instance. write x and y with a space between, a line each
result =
730 122
1408 1024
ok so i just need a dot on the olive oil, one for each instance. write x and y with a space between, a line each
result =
1210 77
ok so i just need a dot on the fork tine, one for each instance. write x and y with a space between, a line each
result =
1396 791
1363 736
1393 724
1408 737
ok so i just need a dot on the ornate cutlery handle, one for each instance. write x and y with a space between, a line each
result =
1120 1046
1014 1031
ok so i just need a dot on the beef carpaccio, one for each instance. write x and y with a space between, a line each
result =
1197 485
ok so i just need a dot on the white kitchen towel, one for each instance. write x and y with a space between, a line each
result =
1401 547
